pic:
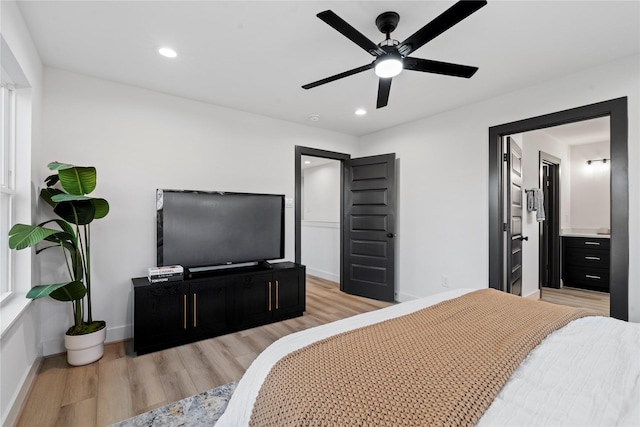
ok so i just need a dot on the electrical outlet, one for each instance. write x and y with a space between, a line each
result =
445 281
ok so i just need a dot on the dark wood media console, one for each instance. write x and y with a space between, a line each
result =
175 313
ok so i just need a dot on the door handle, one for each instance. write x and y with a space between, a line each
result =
523 238
390 235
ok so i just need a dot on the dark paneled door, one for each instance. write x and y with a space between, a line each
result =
369 227
514 217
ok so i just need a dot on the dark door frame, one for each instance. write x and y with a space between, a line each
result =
307 151
616 109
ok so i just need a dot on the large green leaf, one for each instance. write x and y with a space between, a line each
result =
51 180
80 212
78 180
101 206
64 197
64 226
73 291
47 195
56 166
23 236
62 237
68 291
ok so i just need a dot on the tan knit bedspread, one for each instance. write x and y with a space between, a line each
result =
439 366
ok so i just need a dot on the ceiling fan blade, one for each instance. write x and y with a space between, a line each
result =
439 25
384 86
338 76
437 67
349 32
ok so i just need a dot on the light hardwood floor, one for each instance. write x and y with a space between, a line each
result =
121 385
592 300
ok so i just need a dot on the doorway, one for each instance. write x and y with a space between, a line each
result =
550 229
616 109
321 215
567 168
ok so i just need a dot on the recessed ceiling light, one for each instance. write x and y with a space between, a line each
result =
314 117
168 52
361 112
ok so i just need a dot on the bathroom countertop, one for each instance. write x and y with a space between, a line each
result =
592 235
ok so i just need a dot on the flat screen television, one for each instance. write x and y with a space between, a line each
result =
203 230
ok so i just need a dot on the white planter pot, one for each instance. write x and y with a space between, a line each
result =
85 349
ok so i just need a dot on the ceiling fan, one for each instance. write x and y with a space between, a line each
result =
392 56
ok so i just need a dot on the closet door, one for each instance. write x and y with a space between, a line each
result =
514 218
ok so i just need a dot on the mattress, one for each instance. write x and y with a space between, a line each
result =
586 373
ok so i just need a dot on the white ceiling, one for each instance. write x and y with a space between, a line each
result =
584 132
254 56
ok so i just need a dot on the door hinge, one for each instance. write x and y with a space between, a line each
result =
504 226
504 157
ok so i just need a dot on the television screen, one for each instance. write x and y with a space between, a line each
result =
204 229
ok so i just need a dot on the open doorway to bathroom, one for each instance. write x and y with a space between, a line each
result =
617 112
565 258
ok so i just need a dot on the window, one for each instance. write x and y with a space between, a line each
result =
7 185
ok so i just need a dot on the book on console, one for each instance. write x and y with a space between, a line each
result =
168 269
165 273
159 279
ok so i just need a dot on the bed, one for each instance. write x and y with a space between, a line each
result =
585 371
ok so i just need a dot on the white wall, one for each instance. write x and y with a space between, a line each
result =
591 187
20 351
534 142
141 140
443 203
321 249
321 220
322 192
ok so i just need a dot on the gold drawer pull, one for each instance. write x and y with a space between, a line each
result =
195 308
185 311
269 296
592 243
589 276
594 258
277 297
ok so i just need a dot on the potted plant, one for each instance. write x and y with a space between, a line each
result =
66 192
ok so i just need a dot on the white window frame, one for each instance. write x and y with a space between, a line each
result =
7 183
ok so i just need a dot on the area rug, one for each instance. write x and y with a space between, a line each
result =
203 409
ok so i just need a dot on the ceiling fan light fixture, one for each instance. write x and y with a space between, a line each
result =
389 65
167 52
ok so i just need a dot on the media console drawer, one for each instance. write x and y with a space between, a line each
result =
174 313
586 262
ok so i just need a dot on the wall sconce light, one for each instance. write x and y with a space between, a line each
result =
604 161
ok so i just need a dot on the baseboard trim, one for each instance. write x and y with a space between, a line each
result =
323 274
21 397
535 295
404 297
